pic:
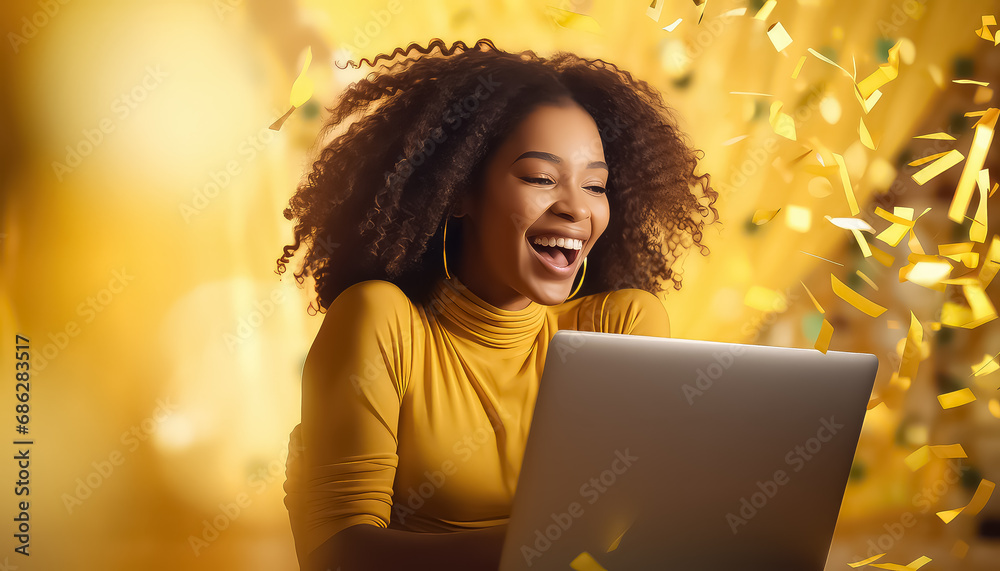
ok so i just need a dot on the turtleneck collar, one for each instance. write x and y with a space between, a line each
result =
469 316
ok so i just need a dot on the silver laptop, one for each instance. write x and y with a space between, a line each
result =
652 453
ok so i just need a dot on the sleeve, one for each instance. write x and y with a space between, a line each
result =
632 312
343 455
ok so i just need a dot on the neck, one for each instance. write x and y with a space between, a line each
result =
492 293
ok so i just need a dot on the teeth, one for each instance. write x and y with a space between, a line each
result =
568 243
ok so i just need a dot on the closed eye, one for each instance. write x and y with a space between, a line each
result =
537 180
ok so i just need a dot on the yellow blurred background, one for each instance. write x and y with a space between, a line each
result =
142 216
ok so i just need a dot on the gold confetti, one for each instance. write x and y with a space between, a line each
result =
911 350
971 82
883 257
927 159
822 258
764 216
911 566
948 160
921 456
901 224
586 562
825 334
866 137
852 202
973 164
956 398
302 90
867 103
734 140
928 274
798 67
984 32
750 93
851 224
822 57
862 243
867 561
673 26
977 231
938 136
614 544
654 10
979 499
854 298
884 74
819 307
574 21
936 75
765 10
986 366
782 123
867 279
779 37
991 264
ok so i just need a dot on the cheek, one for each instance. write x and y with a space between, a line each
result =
601 215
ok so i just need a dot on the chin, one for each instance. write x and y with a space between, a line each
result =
548 294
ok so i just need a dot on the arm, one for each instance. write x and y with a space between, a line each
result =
353 382
363 547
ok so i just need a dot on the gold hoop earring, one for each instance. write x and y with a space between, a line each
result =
444 250
583 274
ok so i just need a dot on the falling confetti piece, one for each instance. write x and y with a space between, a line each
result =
986 366
948 160
977 231
938 136
765 10
586 562
782 123
911 350
979 499
852 202
673 26
901 224
779 37
866 137
302 90
734 12
854 298
911 566
750 93
973 164
851 224
798 67
927 159
821 257
994 407
614 544
883 257
822 57
764 216
574 21
734 140
971 82
956 398
819 307
867 561
867 103
928 274
991 264
921 456
884 74
867 279
654 10
984 32
825 334
862 243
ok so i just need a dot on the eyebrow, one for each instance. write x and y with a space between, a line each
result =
555 159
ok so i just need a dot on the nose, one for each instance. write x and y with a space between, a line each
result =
570 203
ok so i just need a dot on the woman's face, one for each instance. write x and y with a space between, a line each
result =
540 211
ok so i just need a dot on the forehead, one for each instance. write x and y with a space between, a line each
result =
564 130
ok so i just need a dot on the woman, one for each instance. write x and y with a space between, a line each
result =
445 230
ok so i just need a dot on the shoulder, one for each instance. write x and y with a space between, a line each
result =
373 306
635 312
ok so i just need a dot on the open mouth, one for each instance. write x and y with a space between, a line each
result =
560 252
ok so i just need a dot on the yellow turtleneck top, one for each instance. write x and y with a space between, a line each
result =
415 417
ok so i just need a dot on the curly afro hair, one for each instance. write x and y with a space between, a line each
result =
376 200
